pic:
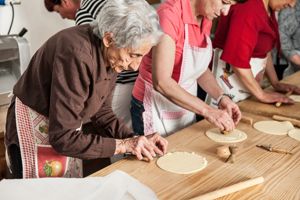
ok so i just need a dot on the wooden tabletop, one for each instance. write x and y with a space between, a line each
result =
281 171
253 106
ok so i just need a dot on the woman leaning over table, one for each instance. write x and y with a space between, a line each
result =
62 103
164 95
243 41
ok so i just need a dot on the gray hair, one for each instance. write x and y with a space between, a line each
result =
131 22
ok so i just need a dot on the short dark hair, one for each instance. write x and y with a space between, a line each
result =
49 4
240 1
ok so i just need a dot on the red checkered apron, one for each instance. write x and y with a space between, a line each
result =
39 159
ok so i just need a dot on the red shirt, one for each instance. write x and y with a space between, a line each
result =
247 31
173 14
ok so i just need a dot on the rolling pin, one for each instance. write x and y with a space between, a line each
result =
295 122
287 94
230 189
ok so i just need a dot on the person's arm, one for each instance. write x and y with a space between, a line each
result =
163 56
248 80
208 82
106 119
278 86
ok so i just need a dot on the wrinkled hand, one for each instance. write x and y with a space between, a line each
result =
220 118
283 87
231 108
146 146
274 97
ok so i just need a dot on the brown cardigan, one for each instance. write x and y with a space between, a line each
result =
68 82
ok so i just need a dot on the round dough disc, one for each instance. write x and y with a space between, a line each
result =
273 127
233 137
295 133
182 162
296 98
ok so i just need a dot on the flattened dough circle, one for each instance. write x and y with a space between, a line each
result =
295 133
296 98
273 127
233 137
182 162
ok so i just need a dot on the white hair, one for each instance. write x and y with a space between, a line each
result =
131 23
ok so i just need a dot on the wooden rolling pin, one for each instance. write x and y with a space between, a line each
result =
287 94
230 189
295 122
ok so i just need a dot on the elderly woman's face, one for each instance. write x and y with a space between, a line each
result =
126 58
214 8
277 5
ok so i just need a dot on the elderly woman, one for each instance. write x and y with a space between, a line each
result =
244 40
175 66
62 105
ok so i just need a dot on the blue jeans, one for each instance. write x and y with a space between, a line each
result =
136 110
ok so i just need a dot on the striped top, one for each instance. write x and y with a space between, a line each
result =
87 13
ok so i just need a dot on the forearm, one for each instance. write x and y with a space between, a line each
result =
270 70
248 80
107 120
176 94
81 145
208 82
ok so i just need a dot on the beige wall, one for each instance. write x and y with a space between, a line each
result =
32 15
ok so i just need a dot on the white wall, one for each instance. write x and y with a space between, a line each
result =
32 15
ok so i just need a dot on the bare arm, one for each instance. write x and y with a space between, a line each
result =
255 89
163 56
162 67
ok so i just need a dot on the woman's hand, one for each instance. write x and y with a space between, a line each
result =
283 87
231 108
274 97
144 146
220 118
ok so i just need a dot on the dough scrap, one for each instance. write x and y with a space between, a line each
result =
182 162
273 127
233 137
296 98
295 134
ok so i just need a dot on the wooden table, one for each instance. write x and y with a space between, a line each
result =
253 106
281 172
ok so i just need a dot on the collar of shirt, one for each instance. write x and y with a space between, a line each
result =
188 18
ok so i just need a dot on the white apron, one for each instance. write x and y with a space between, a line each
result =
163 116
39 159
228 80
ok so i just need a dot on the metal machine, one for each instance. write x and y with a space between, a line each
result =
14 58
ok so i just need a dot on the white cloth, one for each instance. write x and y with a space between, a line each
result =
116 186
163 116
121 102
229 82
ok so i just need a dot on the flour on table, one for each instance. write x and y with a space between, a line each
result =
182 162
295 134
273 127
234 136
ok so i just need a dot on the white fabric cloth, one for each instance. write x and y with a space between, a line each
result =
121 102
115 186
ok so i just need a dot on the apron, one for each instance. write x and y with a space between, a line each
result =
228 80
39 159
163 116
